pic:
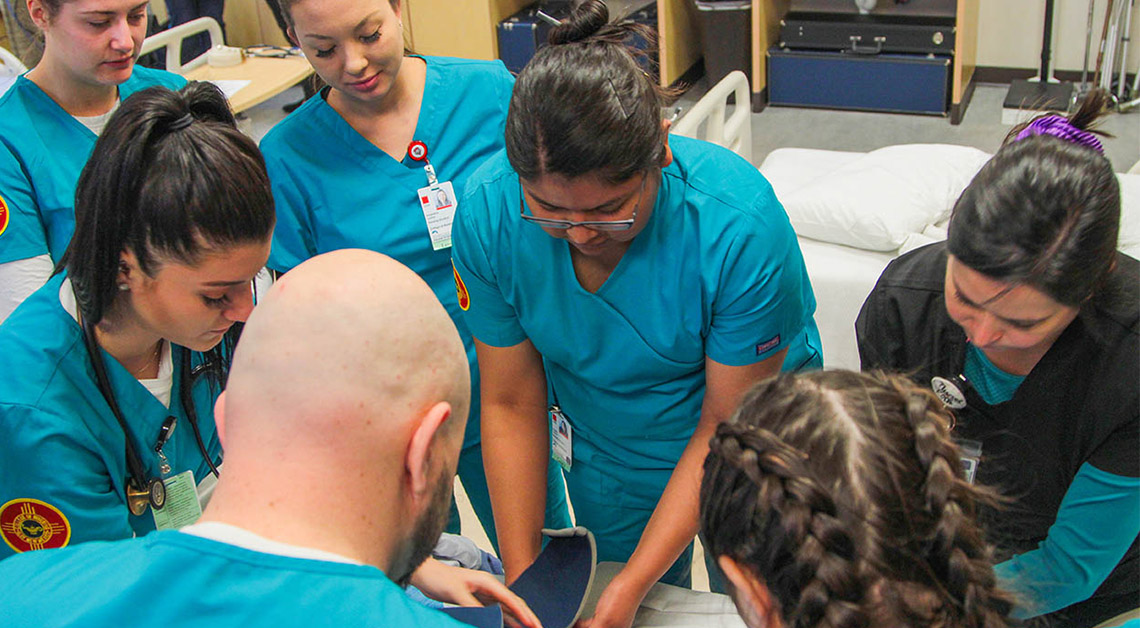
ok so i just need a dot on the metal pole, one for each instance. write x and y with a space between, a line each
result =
1103 42
1088 48
1047 43
1125 37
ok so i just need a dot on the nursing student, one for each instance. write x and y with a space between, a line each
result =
49 120
624 288
112 367
1027 322
374 160
838 499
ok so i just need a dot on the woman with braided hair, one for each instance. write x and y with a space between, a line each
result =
838 499
1026 321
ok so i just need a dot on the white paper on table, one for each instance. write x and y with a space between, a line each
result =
6 82
230 87
667 606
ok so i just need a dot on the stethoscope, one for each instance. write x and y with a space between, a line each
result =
141 490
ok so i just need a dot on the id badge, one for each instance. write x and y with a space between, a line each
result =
561 438
438 203
182 506
971 452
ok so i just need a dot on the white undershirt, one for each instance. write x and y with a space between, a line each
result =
160 386
19 279
99 122
233 535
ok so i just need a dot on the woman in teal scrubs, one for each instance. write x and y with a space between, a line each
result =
628 285
343 177
49 120
157 275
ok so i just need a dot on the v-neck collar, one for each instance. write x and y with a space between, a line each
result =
636 249
45 103
369 153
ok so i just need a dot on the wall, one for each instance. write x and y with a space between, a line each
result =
1009 33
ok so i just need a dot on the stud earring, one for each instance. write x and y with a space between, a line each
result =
124 287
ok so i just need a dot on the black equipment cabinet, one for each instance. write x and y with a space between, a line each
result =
895 59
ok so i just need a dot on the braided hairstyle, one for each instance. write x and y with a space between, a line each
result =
844 494
583 105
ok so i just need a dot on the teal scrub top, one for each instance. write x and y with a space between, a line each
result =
716 272
334 189
63 456
171 579
42 151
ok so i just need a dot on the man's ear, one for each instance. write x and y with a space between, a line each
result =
667 156
425 437
220 418
753 599
291 33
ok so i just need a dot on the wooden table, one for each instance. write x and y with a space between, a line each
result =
268 77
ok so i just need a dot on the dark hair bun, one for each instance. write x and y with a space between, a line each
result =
585 20
206 102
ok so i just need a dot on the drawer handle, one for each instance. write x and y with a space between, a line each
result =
858 49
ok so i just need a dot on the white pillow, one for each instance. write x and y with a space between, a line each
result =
879 199
1129 240
789 169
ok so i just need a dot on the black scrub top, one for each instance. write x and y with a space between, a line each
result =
1080 403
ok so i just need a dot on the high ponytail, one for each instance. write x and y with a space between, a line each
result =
169 177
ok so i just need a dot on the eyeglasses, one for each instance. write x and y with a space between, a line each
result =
597 225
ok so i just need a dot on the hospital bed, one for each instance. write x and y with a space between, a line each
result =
855 212
10 68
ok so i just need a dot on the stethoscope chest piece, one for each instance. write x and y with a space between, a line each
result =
948 392
154 496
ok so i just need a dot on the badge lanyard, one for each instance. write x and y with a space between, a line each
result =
437 200
561 433
173 501
950 392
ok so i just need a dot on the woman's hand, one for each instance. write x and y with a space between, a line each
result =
616 608
468 587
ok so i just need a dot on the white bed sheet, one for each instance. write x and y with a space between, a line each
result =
841 277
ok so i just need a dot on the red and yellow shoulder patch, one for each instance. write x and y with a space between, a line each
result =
460 290
3 215
29 524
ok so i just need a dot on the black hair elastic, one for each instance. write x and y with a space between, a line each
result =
181 123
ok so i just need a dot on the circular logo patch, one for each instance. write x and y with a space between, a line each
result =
948 393
29 524
460 290
3 215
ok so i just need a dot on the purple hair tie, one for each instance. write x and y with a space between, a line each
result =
1059 126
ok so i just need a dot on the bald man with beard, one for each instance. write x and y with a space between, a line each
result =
342 422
